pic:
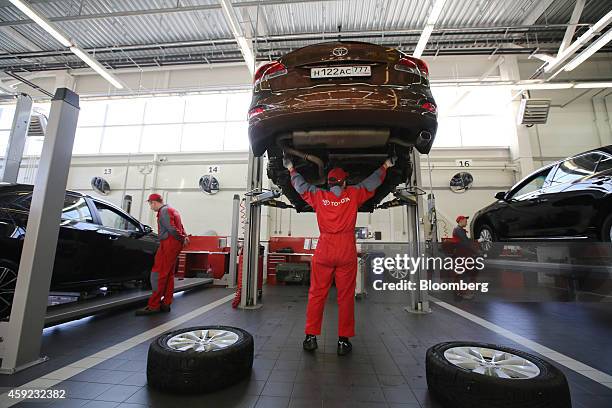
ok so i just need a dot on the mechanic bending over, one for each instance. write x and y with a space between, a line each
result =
172 238
336 253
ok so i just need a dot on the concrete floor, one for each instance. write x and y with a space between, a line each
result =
386 369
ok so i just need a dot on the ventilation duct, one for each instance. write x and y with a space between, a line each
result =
533 111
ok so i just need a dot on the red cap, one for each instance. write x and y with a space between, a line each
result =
155 197
337 174
461 217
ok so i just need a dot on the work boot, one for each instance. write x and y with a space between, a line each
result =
145 311
310 342
164 308
344 346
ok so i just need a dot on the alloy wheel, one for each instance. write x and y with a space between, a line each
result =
202 340
492 363
8 280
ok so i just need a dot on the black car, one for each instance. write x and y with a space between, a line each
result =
568 200
98 243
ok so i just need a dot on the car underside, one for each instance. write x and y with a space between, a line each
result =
358 151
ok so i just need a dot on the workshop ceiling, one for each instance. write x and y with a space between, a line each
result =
142 33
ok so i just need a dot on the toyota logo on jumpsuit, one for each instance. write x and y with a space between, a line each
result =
340 51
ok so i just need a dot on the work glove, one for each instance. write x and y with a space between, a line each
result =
287 163
390 162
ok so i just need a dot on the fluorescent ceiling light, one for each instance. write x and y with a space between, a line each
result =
96 66
41 21
436 10
591 49
558 85
589 85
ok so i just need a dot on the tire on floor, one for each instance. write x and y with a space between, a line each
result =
199 359
453 382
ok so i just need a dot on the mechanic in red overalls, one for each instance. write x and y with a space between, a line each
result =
336 253
172 238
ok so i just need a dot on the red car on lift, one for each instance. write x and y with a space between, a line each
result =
347 104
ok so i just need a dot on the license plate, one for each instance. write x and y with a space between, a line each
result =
341 72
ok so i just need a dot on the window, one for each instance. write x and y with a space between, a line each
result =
121 139
4 137
92 113
533 183
576 168
200 137
161 138
6 116
76 209
87 140
206 108
236 136
113 219
164 110
125 112
604 164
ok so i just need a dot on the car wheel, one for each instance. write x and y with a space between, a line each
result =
8 281
478 375
488 240
606 232
199 359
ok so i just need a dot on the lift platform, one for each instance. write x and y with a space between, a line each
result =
83 308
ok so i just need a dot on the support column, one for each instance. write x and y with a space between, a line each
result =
22 335
17 138
231 277
250 255
520 146
419 299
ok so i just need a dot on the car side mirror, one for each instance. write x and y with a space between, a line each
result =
501 195
146 229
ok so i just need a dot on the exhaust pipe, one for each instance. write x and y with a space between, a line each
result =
421 143
308 157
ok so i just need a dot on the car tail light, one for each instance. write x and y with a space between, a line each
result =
414 65
268 71
429 107
258 110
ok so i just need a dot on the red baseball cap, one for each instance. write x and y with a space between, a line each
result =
155 197
461 217
337 175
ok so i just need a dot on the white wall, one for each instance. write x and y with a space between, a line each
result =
176 177
573 126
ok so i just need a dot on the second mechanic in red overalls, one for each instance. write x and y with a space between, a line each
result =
336 255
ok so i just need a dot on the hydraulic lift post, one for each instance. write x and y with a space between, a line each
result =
231 277
419 302
419 299
21 336
250 254
17 139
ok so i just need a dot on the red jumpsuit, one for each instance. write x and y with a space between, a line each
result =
336 253
171 237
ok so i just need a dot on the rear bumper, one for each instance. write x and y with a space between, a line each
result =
326 110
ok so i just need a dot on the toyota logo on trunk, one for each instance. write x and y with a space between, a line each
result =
340 51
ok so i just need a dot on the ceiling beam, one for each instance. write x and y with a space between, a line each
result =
540 7
432 19
571 28
579 43
244 44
